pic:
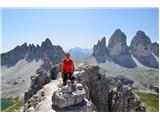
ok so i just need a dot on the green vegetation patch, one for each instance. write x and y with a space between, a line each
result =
151 101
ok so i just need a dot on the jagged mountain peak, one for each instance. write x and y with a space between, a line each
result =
141 38
141 48
140 45
47 43
31 52
24 45
140 33
32 46
118 31
117 43
100 48
102 41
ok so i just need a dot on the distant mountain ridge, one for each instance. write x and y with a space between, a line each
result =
80 53
141 48
118 52
31 52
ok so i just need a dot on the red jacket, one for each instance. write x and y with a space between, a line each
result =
68 66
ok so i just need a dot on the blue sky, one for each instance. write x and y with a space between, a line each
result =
74 27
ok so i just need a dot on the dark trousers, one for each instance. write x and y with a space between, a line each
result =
68 76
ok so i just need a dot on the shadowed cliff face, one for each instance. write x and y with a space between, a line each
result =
32 52
100 49
155 48
142 48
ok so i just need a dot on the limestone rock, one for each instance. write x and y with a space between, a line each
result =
98 87
54 71
27 95
37 82
84 106
141 49
117 43
31 104
155 48
140 45
100 48
110 93
123 99
40 71
31 109
65 99
46 64
31 52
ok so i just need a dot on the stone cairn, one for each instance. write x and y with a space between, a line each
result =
72 97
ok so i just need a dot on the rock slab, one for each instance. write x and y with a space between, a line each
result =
64 99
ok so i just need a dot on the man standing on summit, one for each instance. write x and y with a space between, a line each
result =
67 69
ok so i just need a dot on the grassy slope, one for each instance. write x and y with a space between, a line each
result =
150 100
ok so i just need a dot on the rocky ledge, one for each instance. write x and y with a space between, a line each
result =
109 93
92 91
71 97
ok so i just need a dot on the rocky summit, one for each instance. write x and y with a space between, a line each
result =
55 97
117 43
100 49
92 91
140 45
70 97
66 97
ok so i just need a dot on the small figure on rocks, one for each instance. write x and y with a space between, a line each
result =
67 69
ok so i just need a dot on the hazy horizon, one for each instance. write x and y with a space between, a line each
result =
74 27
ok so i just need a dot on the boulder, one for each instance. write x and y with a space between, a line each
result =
64 98
54 71
84 106
124 80
31 109
31 104
27 95
40 71
79 86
